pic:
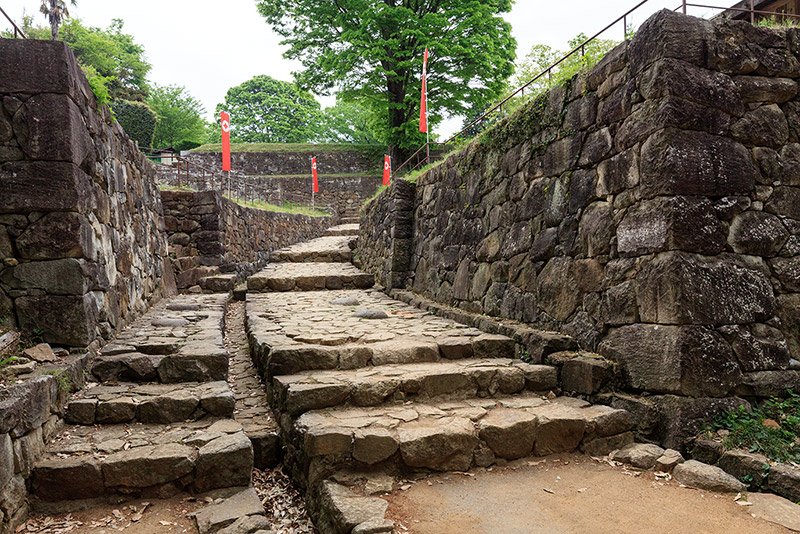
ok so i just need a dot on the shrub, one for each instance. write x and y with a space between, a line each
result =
138 121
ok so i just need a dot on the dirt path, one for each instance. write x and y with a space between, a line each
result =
587 497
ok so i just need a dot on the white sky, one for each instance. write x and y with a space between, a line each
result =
209 46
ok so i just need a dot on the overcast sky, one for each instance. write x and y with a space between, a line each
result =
209 46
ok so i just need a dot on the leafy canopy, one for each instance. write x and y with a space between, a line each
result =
180 118
266 110
372 50
349 122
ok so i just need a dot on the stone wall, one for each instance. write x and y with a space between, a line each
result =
209 234
648 208
31 413
80 216
360 159
340 194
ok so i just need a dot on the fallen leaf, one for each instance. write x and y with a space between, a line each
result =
548 490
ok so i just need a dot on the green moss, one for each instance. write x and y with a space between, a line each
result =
63 380
286 207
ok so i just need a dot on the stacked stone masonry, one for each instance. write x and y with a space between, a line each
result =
648 209
347 177
80 219
209 234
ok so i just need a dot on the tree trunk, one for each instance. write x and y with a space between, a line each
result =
54 30
397 96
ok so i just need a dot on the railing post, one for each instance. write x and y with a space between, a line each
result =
752 11
684 7
625 26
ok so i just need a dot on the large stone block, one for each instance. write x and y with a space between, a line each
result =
688 360
56 277
33 66
758 234
57 235
670 35
766 126
680 162
63 320
50 127
45 186
680 288
788 310
675 223
680 419
758 347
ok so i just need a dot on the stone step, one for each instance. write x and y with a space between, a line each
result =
350 220
295 332
449 436
332 249
280 277
297 394
177 341
140 460
220 283
150 403
343 229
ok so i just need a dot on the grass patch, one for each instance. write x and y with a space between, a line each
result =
185 188
309 148
774 22
286 207
771 429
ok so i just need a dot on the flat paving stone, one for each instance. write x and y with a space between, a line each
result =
177 341
84 462
343 229
455 435
297 394
280 277
330 249
150 403
299 331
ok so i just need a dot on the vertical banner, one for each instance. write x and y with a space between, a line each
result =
387 170
314 175
225 121
423 105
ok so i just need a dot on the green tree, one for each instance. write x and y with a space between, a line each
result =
55 11
372 49
138 121
349 122
266 110
180 117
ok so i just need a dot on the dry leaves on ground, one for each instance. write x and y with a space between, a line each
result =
283 503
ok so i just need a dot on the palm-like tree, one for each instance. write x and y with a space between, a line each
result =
56 11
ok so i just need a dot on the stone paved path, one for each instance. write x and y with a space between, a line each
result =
343 229
159 422
368 389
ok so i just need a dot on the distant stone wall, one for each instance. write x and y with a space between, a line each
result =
340 194
356 161
649 208
209 234
80 213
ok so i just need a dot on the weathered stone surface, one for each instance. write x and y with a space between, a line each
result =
67 479
224 462
374 445
148 466
707 477
559 430
746 467
585 374
764 89
343 511
785 481
443 446
678 162
758 234
667 461
776 510
509 434
240 506
690 360
765 126
63 320
57 235
641 455
758 347
678 288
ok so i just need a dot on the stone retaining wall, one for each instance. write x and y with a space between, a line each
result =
80 216
30 414
360 159
341 194
209 234
648 208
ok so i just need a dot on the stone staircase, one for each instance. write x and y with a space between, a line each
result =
365 386
158 421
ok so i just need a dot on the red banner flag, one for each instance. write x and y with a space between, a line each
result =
423 105
387 170
225 121
314 175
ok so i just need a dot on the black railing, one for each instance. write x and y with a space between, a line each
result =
413 163
18 33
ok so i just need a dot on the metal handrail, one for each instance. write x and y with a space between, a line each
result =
17 30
